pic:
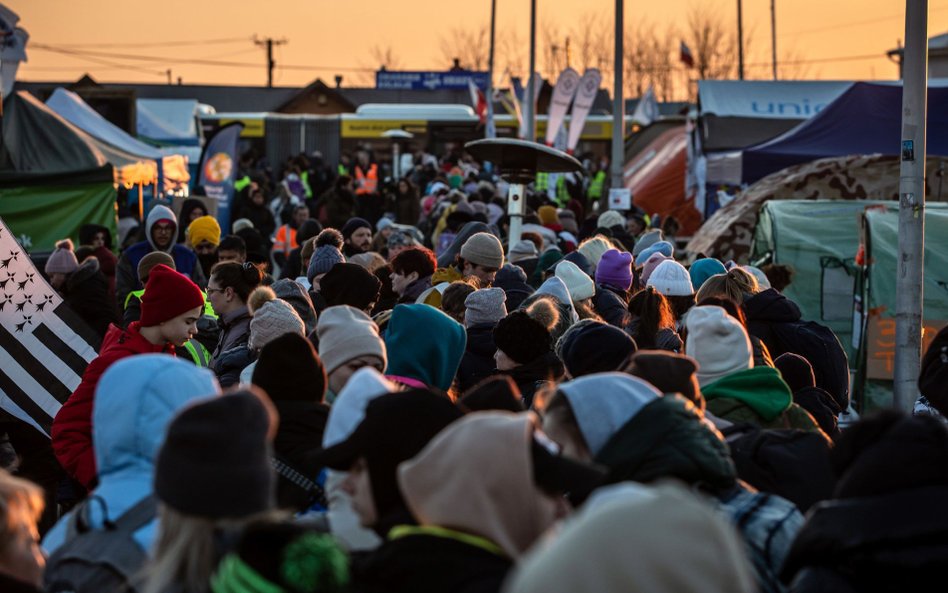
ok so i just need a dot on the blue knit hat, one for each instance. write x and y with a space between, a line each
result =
663 247
324 258
703 269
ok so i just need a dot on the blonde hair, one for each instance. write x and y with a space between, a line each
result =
21 502
259 297
187 550
545 311
735 285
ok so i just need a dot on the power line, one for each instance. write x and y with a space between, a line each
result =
160 44
872 21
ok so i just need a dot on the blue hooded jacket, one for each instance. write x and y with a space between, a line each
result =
424 344
134 403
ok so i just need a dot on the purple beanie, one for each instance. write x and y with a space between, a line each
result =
615 269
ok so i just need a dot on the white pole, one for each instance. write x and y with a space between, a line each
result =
910 275
618 106
515 208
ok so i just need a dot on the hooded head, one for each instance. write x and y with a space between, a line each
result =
163 218
348 410
135 400
424 344
640 539
492 493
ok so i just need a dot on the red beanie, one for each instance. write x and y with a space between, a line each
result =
167 295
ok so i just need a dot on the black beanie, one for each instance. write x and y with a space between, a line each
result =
596 348
396 427
215 461
352 225
289 369
797 372
889 452
521 337
349 284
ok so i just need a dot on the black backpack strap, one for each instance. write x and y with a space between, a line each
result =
298 479
138 516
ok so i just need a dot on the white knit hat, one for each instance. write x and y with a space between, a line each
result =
609 219
762 280
718 342
272 320
524 249
671 279
346 333
579 284
593 249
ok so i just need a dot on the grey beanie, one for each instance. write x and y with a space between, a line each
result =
647 240
272 320
485 306
483 249
524 249
324 258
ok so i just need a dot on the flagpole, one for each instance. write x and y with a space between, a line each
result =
618 108
491 130
531 115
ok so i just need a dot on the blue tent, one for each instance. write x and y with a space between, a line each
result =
866 119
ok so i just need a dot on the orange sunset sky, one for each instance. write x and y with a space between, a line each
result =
337 37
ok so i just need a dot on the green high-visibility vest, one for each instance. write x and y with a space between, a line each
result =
198 353
596 186
208 308
306 187
241 183
342 170
562 194
542 182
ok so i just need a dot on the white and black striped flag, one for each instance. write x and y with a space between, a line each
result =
44 346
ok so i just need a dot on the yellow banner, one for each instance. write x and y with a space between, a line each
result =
253 128
372 128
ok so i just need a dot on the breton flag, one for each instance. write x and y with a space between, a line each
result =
685 55
44 346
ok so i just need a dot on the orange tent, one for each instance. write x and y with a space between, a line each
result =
656 176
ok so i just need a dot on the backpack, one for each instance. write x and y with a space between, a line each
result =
105 560
819 345
793 464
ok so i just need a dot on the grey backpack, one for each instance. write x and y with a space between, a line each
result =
100 560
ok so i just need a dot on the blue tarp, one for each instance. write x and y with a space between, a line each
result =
866 119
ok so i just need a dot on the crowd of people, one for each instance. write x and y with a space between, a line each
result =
360 388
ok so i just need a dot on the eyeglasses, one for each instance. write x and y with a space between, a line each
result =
163 228
210 290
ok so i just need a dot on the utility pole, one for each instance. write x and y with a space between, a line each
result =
773 35
910 276
491 129
531 117
168 72
740 40
269 42
618 107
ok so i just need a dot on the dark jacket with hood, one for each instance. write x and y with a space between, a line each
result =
107 260
126 274
612 305
478 360
87 293
299 436
887 527
414 290
513 281
768 310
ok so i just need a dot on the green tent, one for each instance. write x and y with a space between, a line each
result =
820 239
877 290
53 177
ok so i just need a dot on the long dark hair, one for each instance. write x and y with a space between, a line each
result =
243 278
652 313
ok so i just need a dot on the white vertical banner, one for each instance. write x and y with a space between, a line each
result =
585 96
563 92
646 111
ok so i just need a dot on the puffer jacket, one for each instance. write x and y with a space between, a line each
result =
72 428
612 305
129 418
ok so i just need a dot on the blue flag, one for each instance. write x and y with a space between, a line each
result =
218 170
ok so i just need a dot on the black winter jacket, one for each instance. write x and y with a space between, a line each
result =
478 361
87 293
530 376
893 542
612 305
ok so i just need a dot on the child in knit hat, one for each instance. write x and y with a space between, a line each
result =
613 283
171 307
348 341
